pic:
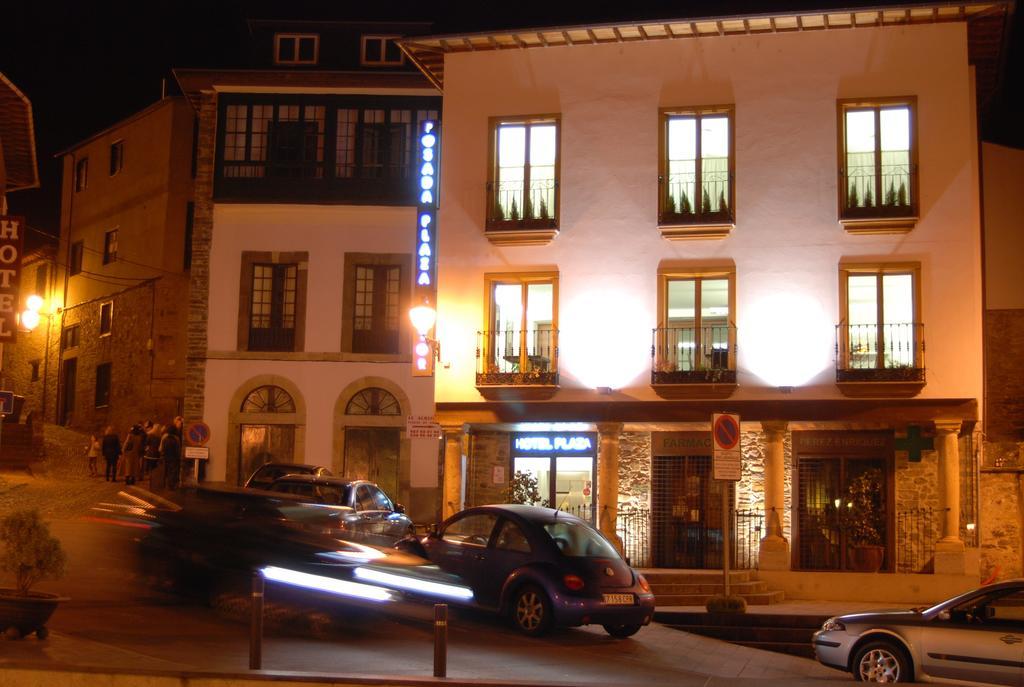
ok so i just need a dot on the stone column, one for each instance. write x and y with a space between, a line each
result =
950 555
608 480
451 494
774 554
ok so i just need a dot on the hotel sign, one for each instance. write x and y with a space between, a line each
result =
425 285
12 239
553 443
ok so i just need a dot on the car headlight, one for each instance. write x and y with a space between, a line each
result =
831 625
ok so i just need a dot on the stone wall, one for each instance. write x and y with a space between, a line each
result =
144 349
1000 523
635 470
487 450
750 488
918 518
1004 375
202 238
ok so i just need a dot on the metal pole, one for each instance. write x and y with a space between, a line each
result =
440 640
256 626
726 543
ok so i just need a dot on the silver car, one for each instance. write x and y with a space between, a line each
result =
975 637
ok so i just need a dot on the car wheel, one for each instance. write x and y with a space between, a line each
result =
882 661
622 631
531 610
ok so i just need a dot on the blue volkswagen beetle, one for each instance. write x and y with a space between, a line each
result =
541 567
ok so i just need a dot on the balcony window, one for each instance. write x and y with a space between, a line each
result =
520 345
696 167
696 340
362 150
880 338
878 169
523 185
272 315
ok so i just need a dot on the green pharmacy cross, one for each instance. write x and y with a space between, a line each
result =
914 443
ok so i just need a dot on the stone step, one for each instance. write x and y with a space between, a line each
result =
660 576
754 599
709 588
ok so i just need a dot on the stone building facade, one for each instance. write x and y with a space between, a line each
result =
1002 513
117 341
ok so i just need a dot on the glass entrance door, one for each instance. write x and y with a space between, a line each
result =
563 482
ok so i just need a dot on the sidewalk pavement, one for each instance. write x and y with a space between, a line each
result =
806 607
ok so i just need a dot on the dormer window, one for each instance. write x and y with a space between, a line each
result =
296 48
382 51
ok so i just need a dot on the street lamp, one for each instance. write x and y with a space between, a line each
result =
29 317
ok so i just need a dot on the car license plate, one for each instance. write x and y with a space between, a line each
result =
619 599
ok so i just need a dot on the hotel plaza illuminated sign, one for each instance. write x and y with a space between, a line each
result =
425 288
553 443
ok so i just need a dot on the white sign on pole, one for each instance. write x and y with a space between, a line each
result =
197 453
727 461
422 427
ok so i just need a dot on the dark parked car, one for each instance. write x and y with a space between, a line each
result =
540 566
369 515
974 637
265 474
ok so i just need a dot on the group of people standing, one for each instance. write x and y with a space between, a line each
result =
148 449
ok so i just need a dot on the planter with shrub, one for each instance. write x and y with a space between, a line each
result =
30 554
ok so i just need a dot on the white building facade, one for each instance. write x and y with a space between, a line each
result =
643 224
300 346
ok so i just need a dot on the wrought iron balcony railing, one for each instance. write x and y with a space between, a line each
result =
694 355
513 357
880 352
512 205
879 187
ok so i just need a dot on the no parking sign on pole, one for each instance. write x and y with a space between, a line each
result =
725 437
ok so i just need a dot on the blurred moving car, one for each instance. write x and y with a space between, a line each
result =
213 539
371 517
265 474
975 637
540 566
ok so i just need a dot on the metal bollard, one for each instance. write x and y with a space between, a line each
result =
440 640
256 626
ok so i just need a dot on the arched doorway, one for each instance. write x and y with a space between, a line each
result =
373 452
267 426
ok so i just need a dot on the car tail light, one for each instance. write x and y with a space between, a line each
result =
644 584
573 583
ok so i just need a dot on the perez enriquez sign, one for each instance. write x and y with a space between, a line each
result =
11 243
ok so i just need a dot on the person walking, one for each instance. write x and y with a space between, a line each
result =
134 445
111 448
92 452
151 453
170 454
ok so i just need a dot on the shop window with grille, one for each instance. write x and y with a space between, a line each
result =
841 502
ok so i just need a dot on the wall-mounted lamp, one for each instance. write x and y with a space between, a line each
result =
604 390
786 389
426 350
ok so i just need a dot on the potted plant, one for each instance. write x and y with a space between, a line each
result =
31 554
865 521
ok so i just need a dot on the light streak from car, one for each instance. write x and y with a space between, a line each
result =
326 584
450 591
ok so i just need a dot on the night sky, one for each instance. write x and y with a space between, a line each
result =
86 65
